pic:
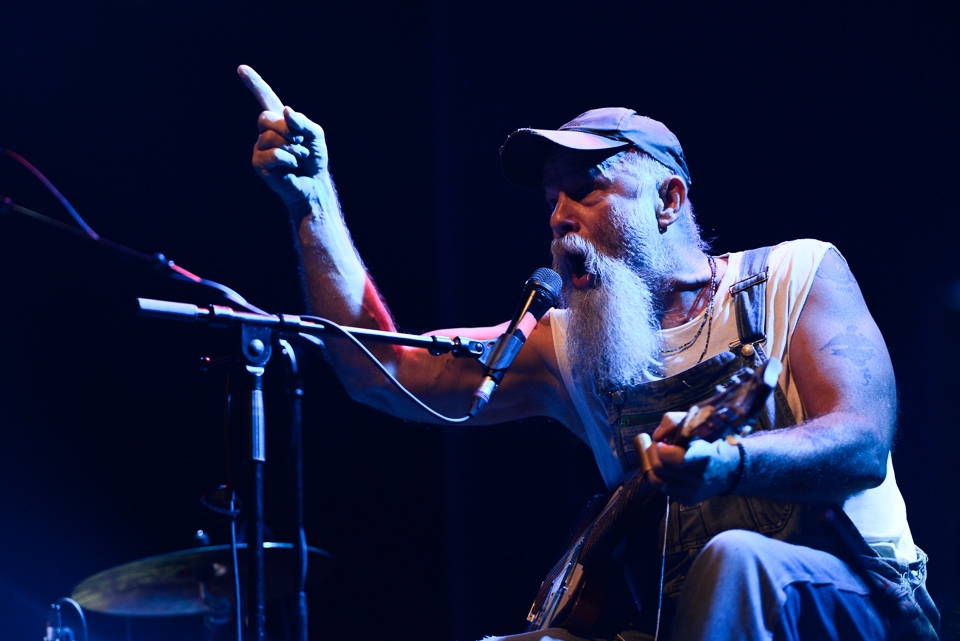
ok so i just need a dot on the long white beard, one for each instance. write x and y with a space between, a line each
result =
613 328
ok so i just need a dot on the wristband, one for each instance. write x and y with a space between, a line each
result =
738 474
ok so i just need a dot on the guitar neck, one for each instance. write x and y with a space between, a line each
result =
611 525
718 417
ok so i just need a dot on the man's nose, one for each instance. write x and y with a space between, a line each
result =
564 220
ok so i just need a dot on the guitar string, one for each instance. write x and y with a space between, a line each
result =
663 564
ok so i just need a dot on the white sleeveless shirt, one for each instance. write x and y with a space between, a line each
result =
879 513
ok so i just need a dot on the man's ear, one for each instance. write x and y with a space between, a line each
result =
673 194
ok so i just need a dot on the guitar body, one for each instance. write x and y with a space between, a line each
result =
563 593
572 595
574 592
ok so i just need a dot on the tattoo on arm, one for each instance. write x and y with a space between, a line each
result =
855 347
837 272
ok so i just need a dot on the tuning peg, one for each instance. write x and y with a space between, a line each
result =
734 380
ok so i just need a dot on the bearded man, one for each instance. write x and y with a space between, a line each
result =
651 324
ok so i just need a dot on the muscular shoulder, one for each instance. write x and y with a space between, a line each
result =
797 258
838 346
793 269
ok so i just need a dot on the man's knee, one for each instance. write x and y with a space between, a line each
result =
733 551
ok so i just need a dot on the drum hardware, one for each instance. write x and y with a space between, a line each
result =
56 631
197 581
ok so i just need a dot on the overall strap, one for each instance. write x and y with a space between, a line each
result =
750 296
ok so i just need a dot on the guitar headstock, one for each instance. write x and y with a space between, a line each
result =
733 409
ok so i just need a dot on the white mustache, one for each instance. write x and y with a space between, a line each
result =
571 252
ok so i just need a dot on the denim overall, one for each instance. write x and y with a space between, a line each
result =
640 409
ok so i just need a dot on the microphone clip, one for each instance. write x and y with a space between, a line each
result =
504 350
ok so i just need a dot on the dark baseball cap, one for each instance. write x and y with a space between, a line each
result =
613 128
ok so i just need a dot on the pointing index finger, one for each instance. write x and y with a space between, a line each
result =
261 90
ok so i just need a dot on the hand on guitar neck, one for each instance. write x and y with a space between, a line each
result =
693 472
689 459
696 455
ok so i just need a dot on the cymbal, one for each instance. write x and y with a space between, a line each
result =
197 581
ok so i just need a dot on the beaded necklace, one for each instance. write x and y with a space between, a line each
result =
707 317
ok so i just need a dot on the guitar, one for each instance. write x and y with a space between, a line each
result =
571 594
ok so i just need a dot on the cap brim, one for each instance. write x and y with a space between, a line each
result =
523 153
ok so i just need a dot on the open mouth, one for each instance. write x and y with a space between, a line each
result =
584 281
577 261
580 277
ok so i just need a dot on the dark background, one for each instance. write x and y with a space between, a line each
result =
836 120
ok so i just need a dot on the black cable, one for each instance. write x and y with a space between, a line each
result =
179 273
49 185
316 342
158 261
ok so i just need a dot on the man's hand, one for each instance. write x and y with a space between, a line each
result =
291 152
693 474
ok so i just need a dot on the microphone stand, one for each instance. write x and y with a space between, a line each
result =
255 350
294 390
258 332
291 326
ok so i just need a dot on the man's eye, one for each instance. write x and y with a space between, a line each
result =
582 193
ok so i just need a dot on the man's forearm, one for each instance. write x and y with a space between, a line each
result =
829 457
337 282
338 286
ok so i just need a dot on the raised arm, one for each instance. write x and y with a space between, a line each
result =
291 156
845 379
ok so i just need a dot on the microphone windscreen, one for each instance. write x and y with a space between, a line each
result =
547 279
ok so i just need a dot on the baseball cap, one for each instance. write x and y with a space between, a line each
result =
613 128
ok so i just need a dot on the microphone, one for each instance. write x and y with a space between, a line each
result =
540 293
